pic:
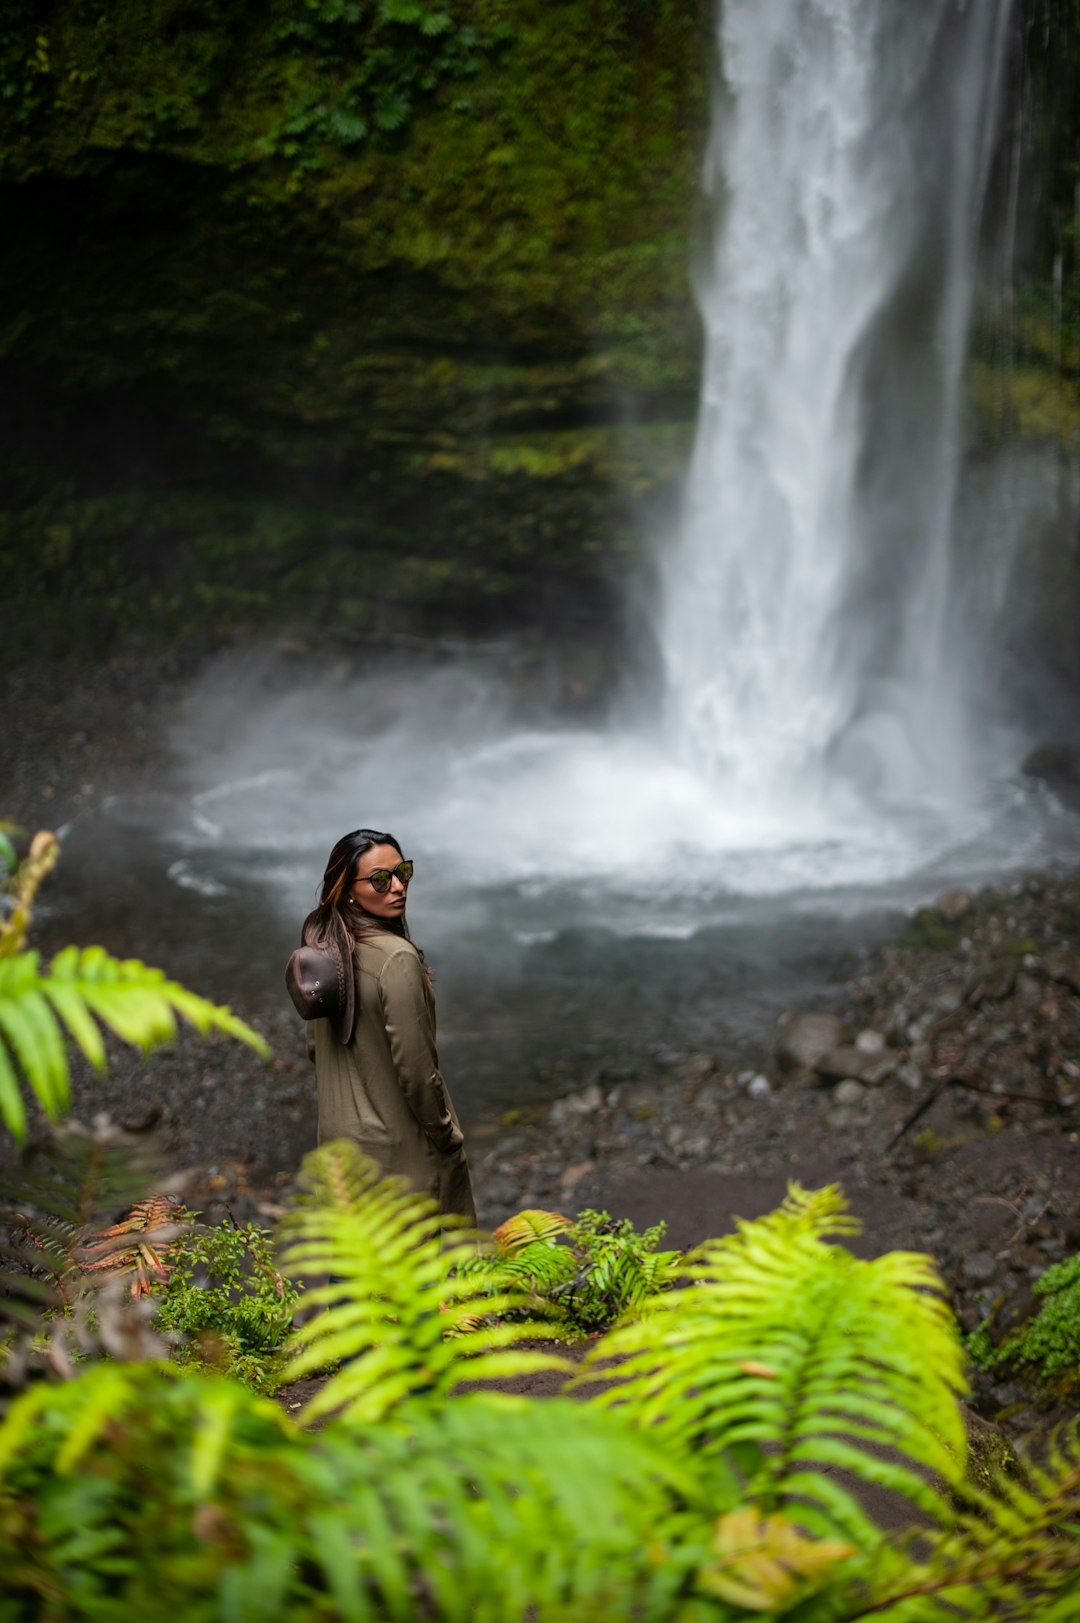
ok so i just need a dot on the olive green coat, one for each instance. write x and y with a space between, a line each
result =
384 1090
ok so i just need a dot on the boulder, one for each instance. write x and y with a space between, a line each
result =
953 904
848 1061
1064 966
993 982
803 1039
1058 766
849 1092
585 1103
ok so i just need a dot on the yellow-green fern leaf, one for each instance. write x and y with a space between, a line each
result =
399 1312
800 1370
80 989
527 1227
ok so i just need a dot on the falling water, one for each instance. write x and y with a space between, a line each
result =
809 627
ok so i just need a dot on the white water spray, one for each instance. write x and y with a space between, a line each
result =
809 629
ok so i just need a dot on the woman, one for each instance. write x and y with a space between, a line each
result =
376 1068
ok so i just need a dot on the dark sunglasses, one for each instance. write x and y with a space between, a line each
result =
379 879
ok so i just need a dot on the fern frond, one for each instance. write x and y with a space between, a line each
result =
139 1244
53 1214
400 1312
1011 1553
537 1268
525 1228
793 1365
81 988
23 885
481 1510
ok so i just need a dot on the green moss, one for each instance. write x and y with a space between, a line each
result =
928 931
1025 401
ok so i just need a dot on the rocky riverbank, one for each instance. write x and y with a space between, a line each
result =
941 1087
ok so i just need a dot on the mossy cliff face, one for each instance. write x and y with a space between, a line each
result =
1026 360
372 315
1024 373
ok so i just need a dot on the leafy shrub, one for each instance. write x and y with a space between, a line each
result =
587 1273
223 1295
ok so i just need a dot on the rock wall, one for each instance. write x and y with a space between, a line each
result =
377 319
1023 478
323 317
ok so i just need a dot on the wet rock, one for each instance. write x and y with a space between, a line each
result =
572 1176
1064 967
849 1061
500 1190
953 904
695 1069
992 983
710 1097
1058 766
617 1072
883 1067
803 1039
849 1092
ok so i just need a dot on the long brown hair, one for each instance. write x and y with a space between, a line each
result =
338 917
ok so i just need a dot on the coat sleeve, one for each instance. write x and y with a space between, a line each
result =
410 1029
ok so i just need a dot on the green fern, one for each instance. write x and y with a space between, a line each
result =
1010 1553
787 1360
401 1314
694 1492
132 1495
81 988
589 1273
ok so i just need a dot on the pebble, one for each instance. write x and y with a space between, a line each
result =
979 1266
758 1087
849 1092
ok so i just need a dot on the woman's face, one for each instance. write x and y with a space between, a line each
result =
388 904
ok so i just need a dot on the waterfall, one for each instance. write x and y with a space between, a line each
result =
826 635
809 622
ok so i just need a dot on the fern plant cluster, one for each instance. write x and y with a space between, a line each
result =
708 1462
584 1273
